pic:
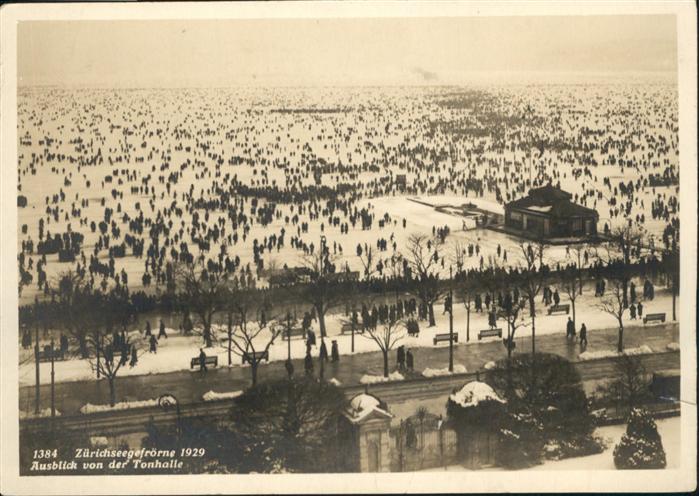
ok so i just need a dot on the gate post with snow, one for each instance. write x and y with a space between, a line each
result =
370 423
473 412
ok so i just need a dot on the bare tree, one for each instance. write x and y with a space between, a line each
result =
629 384
252 340
510 310
533 278
614 305
322 291
202 292
71 292
571 285
386 336
105 341
466 283
366 256
627 240
422 254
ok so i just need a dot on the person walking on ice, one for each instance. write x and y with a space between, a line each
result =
162 333
153 344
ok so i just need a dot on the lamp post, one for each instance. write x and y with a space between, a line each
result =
451 322
322 276
53 383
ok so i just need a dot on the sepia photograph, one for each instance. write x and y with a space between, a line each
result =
411 244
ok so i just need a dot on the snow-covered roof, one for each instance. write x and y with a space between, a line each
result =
536 208
473 393
363 405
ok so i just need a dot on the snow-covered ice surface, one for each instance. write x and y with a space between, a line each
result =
670 433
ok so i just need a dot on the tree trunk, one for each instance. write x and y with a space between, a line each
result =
97 353
253 371
674 299
430 312
321 321
112 392
620 343
207 333
532 313
385 363
38 383
230 339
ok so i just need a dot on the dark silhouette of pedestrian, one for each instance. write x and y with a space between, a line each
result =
148 330
640 309
570 328
202 360
311 341
134 356
409 360
162 332
334 352
632 310
400 355
323 351
583 336
153 344
308 364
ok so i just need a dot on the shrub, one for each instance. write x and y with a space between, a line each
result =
521 441
640 447
556 400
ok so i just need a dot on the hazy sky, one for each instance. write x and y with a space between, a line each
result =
337 51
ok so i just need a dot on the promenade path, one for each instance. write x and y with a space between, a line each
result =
189 387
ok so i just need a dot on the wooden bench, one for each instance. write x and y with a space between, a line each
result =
559 309
297 332
438 338
487 333
347 328
257 356
45 355
654 317
211 361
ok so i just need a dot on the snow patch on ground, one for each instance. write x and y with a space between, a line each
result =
99 441
214 396
458 369
373 379
673 346
489 365
592 355
46 412
335 382
124 405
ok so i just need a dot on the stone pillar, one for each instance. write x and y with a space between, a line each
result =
374 448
